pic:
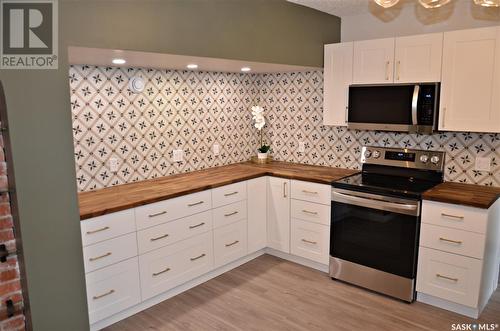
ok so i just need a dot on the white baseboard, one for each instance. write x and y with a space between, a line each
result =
298 260
448 305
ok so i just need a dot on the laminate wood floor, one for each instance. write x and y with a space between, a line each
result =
269 293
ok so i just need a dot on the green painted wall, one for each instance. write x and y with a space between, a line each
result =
40 119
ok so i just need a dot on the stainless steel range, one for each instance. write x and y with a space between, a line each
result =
375 220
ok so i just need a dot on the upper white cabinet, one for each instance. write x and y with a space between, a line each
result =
278 214
373 61
418 58
337 78
470 88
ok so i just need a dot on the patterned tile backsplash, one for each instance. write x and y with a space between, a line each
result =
193 110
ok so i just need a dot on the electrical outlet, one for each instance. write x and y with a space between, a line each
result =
178 155
113 164
216 149
483 164
302 147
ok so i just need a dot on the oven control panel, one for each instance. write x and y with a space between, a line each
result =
402 157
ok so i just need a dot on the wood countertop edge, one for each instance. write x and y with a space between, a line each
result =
460 202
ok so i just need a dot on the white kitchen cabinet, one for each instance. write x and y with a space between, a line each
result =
337 75
230 243
257 213
278 214
310 240
418 58
470 88
373 61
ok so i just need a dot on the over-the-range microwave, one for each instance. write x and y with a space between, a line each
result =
396 107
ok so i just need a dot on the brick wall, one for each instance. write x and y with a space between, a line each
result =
10 283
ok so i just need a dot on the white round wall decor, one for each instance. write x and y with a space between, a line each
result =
136 84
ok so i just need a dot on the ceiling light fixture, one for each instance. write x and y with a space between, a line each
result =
433 3
192 66
119 61
386 3
488 3
245 69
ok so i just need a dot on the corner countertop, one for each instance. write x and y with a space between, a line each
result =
121 197
463 194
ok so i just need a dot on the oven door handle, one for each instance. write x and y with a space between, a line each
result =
402 208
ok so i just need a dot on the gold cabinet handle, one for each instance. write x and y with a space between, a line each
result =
459 242
309 241
387 70
229 194
197 225
233 243
310 212
452 216
98 230
398 65
195 204
160 237
443 122
198 257
99 257
158 214
446 277
284 190
309 192
231 214
160 272
96 297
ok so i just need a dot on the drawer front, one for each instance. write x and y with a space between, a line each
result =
172 232
229 214
312 212
112 289
449 276
310 240
230 243
313 192
455 216
452 240
170 266
107 226
229 194
169 210
110 251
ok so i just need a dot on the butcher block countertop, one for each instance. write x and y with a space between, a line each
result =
121 197
464 194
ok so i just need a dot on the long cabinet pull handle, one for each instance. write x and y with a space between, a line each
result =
198 257
284 189
231 214
98 230
443 121
309 192
387 70
446 277
195 203
160 272
233 243
229 194
310 212
96 297
398 68
99 257
452 216
158 214
309 241
160 237
197 225
459 242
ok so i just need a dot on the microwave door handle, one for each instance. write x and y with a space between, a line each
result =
414 105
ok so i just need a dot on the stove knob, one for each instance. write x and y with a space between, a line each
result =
435 159
376 154
368 154
424 158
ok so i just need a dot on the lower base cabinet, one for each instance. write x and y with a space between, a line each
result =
230 243
310 240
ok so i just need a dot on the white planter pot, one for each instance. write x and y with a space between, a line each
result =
261 155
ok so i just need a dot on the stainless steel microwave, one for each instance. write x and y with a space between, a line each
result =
397 107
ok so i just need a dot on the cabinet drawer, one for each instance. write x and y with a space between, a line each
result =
107 226
455 216
449 276
110 251
310 240
452 240
312 212
172 232
170 266
168 210
229 214
228 194
112 289
313 192
230 243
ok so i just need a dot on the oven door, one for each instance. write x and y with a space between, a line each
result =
376 231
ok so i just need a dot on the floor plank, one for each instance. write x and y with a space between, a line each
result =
269 293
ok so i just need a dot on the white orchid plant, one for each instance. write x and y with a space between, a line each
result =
259 123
